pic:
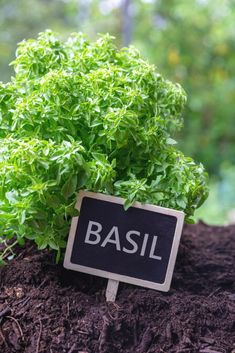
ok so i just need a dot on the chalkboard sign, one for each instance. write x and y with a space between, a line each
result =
137 246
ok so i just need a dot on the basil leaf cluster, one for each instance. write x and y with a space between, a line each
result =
85 115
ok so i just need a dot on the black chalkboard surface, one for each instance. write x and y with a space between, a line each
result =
137 246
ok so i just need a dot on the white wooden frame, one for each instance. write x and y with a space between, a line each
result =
114 276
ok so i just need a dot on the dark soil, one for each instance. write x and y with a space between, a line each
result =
46 309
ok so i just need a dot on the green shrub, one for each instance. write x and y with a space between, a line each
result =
82 115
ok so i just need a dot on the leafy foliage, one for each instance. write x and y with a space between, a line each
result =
78 115
191 42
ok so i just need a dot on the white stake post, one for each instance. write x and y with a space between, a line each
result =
111 290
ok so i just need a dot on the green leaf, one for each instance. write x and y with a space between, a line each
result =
53 245
128 204
82 178
190 220
12 196
69 187
170 141
181 203
53 201
22 217
42 243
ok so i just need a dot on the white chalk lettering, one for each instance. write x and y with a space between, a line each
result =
94 232
153 247
116 240
132 242
95 235
146 236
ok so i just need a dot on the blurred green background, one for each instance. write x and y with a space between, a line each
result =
190 41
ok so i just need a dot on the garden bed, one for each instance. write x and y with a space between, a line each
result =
45 308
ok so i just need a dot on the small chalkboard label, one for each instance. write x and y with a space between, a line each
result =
137 246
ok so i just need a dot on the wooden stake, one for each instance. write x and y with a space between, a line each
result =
111 290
